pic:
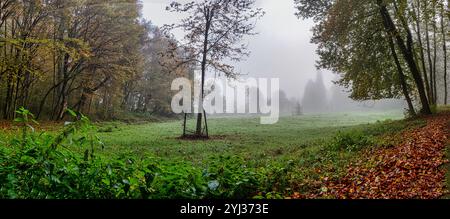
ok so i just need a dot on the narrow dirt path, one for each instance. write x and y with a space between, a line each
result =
411 170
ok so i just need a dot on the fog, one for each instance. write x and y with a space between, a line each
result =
282 49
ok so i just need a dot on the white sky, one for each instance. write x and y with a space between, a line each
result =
281 49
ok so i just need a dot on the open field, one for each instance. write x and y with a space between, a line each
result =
243 137
242 159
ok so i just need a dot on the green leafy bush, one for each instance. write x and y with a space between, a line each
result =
42 166
351 141
229 177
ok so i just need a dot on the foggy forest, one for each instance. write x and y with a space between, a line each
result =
358 89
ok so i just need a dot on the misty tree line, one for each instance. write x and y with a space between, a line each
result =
384 48
318 99
96 57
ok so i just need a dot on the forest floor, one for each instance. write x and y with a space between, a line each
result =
416 168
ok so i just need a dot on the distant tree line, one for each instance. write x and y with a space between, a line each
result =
318 99
315 95
97 57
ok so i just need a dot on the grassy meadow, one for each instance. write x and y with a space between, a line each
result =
242 159
243 136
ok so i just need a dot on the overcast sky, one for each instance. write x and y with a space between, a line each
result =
282 48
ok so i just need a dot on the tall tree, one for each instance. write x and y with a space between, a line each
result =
353 44
427 15
355 40
417 16
315 95
402 78
146 92
406 49
59 54
214 30
444 47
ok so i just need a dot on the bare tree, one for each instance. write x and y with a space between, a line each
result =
214 30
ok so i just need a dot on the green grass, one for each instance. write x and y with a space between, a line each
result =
299 141
235 136
292 154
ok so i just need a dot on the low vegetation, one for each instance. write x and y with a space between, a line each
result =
74 162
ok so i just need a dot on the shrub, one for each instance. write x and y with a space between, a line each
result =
351 141
66 166
229 177
41 166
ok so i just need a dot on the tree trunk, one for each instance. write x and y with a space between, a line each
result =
10 80
408 55
422 53
41 105
7 98
184 125
203 66
402 77
444 47
430 62
435 96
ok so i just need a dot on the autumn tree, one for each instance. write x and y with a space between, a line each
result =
372 45
59 54
214 31
97 57
406 46
146 92
352 43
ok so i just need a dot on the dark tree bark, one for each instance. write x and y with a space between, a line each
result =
402 77
407 52
208 13
435 93
87 92
444 48
430 61
421 49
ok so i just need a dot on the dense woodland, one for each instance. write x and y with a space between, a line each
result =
97 57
